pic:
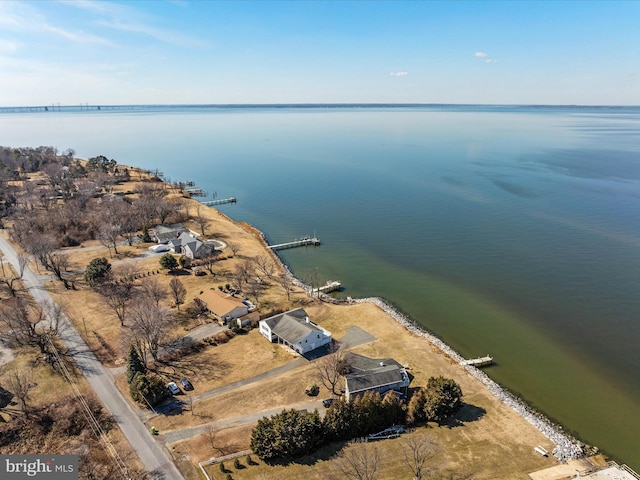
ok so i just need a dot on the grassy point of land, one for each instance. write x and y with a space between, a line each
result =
489 441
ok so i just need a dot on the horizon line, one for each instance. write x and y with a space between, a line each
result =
99 107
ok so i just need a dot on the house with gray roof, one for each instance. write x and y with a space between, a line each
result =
295 330
164 233
190 246
373 374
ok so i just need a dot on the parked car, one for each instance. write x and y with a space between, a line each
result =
186 384
173 388
327 402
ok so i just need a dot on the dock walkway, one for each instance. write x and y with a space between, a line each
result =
301 242
222 201
478 362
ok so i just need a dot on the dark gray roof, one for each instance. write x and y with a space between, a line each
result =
371 379
369 373
292 326
360 363
163 233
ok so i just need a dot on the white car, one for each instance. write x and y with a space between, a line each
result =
173 388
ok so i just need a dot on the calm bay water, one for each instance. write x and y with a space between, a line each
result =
509 231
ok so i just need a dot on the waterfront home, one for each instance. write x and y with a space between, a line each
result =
375 375
164 233
295 330
224 306
190 246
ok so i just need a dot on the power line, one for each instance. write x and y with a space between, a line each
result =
93 422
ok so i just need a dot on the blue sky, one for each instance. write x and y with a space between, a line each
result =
107 52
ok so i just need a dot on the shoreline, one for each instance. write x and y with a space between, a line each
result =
567 447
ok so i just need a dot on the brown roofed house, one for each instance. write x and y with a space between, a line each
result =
224 306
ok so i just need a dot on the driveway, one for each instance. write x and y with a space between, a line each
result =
152 455
184 433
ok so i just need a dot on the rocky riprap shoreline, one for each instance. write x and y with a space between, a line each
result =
566 447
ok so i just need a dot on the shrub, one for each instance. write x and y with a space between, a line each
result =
289 434
443 398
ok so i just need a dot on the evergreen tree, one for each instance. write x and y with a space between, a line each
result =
146 238
443 398
168 261
147 389
135 364
98 271
416 412
289 434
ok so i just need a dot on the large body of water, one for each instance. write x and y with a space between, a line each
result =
503 230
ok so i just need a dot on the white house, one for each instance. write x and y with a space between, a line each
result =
296 330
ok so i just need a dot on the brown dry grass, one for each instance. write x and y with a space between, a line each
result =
496 444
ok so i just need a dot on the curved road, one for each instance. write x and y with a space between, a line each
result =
152 455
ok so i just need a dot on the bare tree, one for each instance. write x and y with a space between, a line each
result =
241 275
330 368
200 219
20 383
234 247
109 234
208 260
417 450
33 328
10 282
57 263
359 461
150 324
265 265
118 294
154 290
285 282
210 433
178 291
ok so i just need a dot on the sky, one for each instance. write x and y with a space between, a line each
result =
259 52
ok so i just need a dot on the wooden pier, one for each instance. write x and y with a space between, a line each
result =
301 242
221 201
195 192
331 286
478 362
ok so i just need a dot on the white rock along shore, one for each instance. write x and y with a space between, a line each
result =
566 447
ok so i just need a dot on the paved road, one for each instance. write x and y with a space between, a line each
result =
152 455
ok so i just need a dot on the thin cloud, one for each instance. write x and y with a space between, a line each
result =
398 74
165 36
77 36
129 19
480 54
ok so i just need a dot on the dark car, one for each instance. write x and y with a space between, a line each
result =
186 384
327 402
